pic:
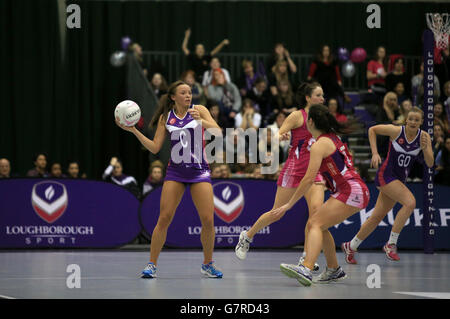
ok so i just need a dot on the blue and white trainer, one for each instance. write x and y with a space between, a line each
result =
302 259
149 271
330 275
211 271
301 273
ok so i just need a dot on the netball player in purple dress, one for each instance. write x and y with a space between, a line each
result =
185 123
407 144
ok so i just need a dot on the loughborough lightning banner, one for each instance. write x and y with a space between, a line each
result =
37 213
237 205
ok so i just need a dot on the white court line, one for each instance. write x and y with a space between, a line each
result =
437 295
6 297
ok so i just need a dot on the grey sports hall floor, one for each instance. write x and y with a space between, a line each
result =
115 274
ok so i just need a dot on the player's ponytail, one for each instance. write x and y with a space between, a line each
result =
165 104
325 122
305 89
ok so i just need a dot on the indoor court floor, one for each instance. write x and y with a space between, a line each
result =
115 274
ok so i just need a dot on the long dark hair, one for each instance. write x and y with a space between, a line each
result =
327 123
165 104
305 89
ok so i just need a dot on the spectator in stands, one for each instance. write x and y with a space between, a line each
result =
405 107
438 138
267 145
257 172
158 85
155 178
284 101
399 89
199 60
225 170
216 171
242 168
440 117
389 111
40 166
446 99
5 168
275 127
248 117
325 70
279 72
398 75
73 169
56 171
218 116
443 163
261 96
225 93
114 173
376 72
417 87
248 78
280 53
198 94
137 51
214 65
333 106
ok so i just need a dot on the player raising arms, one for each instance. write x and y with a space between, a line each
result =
180 119
331 158
294 168
408 143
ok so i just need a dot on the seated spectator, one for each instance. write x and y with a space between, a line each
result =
417 87
218 116
267 145
405 107
199 60
445 98
275 127
257 172
198 94
389 111
225 170
242 168
73 169
225 93
40 165
159 85
114 173
284 101
399 89
261 96
438 138
155 178
248 117
246 82
443 164
216 171
377 72
279 72
5 168
440 117
334 108
280 53
56 171
208 75
398 75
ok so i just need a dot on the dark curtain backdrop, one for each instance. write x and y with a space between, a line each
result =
66 109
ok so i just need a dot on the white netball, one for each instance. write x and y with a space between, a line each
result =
128 113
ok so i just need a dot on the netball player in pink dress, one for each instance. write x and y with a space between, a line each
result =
407 144
294 168
178 118
349 194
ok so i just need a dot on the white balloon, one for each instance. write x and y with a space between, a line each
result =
348 69
118 58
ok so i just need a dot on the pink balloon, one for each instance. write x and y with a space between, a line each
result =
358 55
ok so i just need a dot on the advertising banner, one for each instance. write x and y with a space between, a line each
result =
38 213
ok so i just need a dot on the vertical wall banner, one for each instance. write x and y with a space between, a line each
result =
428 108
238 203
66 213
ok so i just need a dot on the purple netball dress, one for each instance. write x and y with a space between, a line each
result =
401 157
187 150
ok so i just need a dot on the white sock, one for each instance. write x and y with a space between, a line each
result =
354 244
393 238
304 254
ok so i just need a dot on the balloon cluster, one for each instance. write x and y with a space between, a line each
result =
118 58
358 55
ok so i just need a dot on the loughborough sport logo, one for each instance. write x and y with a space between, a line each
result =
228 201
49 200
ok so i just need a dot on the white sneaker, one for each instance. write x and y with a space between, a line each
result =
330 275
243 245
302 259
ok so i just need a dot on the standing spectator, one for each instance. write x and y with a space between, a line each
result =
155 178
443 163
440 117
208 75
73 169
225 93
325 70
280 53
246 82
376 72
114 173
199 60
40 166
56 171
198 94
398 75
334 108
5 168
417 87
137 51
261 96
159 85
248 117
